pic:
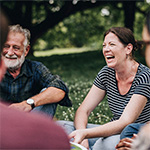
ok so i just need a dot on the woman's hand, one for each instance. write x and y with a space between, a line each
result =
78 135
85 143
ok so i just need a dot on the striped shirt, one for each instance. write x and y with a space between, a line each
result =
106 80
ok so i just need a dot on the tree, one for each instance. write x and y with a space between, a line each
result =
39 16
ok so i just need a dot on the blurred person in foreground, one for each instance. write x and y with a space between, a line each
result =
126 84
20 130
29 85
142 141
129 134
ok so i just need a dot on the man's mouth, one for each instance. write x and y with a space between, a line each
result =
10 57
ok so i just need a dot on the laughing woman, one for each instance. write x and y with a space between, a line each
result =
126 84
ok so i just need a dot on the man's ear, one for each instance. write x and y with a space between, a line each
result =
129 49
2 69
27 50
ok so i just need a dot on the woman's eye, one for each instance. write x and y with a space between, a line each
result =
112 44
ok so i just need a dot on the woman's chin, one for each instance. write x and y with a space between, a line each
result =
110 65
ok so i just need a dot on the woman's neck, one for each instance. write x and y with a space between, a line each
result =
128 71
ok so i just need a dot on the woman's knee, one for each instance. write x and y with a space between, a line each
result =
67 125
108 143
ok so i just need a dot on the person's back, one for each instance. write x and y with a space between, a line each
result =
20 130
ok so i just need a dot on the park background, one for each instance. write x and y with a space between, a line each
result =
67 36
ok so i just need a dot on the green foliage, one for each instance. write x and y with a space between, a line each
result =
86 28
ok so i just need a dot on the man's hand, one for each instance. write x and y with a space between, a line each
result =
23 106
126 143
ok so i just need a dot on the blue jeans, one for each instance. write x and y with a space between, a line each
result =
48 109
130 130
108 143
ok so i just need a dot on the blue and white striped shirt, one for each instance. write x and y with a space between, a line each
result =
106 80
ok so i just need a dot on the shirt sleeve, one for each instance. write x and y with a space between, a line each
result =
47 79
100 79
143 89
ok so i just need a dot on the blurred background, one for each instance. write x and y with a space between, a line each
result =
67 36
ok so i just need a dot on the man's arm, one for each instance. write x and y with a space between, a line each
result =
50 95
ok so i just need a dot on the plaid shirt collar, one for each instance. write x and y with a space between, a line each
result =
24 70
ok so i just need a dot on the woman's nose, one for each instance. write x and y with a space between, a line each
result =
106 48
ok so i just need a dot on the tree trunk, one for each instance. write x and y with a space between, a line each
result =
129 13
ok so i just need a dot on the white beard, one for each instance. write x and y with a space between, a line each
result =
15 63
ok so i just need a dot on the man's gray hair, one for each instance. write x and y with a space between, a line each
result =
18 29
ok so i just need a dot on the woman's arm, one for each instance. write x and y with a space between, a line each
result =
93 98
130 114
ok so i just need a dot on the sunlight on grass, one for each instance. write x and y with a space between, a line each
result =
61 51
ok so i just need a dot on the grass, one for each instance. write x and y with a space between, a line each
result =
78 71
62 51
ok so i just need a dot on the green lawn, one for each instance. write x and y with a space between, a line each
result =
78 71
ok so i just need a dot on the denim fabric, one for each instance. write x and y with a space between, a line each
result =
48 109
130 130
108 143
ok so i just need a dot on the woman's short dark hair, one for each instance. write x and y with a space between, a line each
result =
125 36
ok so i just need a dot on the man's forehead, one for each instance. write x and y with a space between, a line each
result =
15 36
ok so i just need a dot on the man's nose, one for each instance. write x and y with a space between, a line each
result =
10 51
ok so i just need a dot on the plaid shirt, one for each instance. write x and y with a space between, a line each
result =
34 76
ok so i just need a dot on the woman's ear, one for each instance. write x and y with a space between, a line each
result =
129 49
2 69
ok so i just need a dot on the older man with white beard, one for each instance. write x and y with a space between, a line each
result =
29 85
